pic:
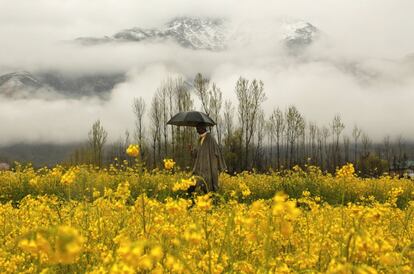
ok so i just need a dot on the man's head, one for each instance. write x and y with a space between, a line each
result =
201 129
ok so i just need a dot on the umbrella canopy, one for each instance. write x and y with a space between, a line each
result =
191 119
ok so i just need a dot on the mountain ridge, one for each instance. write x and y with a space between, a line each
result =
204 34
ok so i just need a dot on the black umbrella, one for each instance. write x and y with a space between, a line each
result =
191 119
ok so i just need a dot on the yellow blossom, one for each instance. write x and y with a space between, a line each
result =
169 164
133 150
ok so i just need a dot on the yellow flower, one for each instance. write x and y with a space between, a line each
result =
184 184
56 246
246 192
169 164
204 202
69 177
133 150
346 171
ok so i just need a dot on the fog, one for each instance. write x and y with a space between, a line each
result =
359 68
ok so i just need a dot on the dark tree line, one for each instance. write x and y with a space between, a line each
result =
249 138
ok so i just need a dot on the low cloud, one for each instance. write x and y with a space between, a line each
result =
359 68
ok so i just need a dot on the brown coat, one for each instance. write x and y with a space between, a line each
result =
209 162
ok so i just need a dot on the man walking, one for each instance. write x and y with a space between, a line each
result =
208 161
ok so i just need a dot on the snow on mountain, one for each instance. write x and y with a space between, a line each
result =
198 33
191 33
207 34
18 85
299 33
12 83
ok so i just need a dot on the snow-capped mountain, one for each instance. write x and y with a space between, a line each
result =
193 33
17 79
299 33
12 83
206 34
22 84
190 33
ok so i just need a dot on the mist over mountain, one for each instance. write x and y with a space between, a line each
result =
207 34
55 85
213 34
62 67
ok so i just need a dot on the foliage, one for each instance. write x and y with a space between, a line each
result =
80 182
118 231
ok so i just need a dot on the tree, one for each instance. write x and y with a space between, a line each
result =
366 144
163 100
215 108
260 131
97 139
250 99
346 141
294 126
356 133
312 142
372 166
337 127
387 148
228 119
155 117
325 135
139 111
201 86
278 126
117 149
184 136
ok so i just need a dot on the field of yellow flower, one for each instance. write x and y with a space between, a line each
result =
125 219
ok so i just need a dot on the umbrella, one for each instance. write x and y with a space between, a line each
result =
191 119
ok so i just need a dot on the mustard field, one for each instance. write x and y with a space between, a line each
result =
124 219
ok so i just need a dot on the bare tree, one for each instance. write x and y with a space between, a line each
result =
201 86
172 86
294 127
163 100
337 127
260 131
250 98
215 108
356 133
366 145
319 137
228 119
155 117
387 149
97 139
401 157
278 126
346 141
325 136
312 142
270 137
139 111
184 136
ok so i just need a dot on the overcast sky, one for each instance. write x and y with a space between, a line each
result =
374 34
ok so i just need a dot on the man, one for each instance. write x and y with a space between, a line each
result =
208 161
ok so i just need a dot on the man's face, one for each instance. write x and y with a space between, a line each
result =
201 129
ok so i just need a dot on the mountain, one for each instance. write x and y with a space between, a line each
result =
80 85
204 34
193 33
299 34
49 85
12 83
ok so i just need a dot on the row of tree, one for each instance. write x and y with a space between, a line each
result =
249 138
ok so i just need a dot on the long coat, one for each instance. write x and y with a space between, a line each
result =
209 162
